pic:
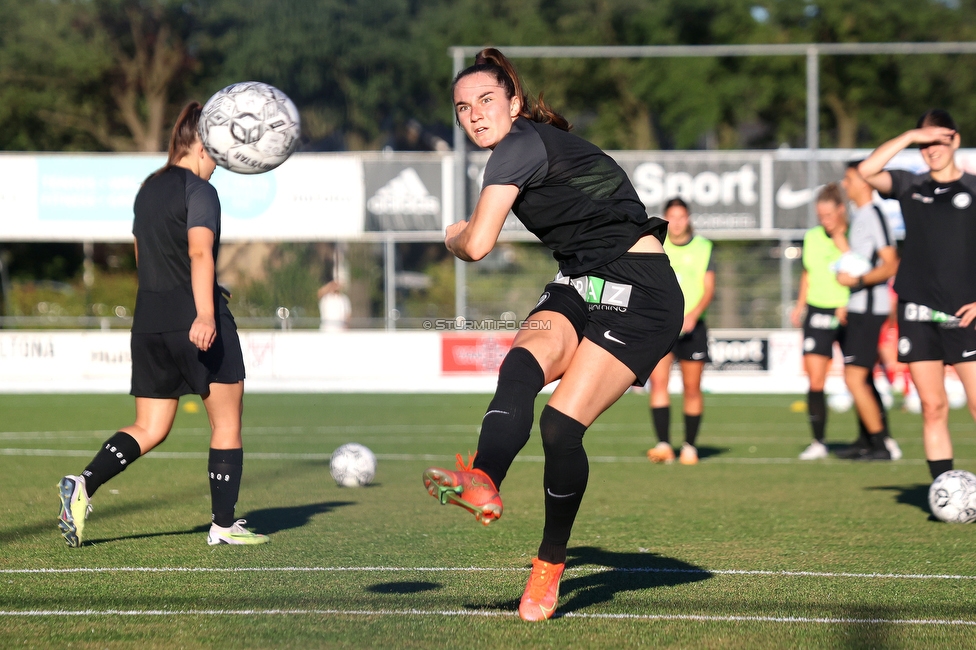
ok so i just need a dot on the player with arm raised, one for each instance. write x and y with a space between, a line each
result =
184 339
936 292
612 312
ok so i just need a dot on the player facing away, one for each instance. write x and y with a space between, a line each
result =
825 301
184 339
612 312
868 238
935 287
691 259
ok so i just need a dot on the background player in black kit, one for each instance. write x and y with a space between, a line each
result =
613 311
935 282
184 339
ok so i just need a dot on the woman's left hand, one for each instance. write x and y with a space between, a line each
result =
203 331
688 325
967 313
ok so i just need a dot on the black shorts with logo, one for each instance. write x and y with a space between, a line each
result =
168 365
860 341
820 329
631 307
693 346
926 340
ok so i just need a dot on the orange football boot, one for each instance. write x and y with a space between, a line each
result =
469 488
541 593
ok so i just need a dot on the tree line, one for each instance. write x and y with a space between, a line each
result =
110 75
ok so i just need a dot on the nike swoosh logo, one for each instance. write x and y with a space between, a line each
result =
849 359
495 411
968 353
559 496
788 199
610 337
942 190
698 355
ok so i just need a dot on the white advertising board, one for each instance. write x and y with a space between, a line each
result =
89 197
344 362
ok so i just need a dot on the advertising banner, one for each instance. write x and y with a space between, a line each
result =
404 195
89 197
474 354
738 354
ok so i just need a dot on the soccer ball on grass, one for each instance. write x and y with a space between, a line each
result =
352 465
952 497
250 127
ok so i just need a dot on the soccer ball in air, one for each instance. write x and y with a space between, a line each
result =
352 465
952 497
250 127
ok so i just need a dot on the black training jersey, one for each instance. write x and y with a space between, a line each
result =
572 195
166 207
938 262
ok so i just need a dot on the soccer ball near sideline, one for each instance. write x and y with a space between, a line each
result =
352 465
952 497
250 127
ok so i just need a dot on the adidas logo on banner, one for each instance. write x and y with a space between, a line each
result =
404 194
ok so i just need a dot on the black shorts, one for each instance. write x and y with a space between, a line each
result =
693 346
631 307
168 365
820 329
860 343
929 341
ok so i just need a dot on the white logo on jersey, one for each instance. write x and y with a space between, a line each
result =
610 337
809 344
962 200
697 356
904 346
544 297
968 353
942 190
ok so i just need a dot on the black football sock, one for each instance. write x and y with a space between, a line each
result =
817 412
225 467
937 467
507 422
118 452
564 479
661 417
692 424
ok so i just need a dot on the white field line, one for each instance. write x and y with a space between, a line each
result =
389 569
194 455
484 613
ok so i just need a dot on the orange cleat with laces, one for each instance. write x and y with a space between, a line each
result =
539 600
469 488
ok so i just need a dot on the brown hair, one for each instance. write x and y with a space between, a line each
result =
830 193
183 136
937 117
496 64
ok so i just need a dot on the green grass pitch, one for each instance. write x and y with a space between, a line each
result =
751 548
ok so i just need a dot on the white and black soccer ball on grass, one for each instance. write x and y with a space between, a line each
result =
352 465
250 127
952 497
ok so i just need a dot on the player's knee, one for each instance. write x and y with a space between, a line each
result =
560 433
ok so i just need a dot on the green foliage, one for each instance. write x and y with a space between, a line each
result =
293 274
110 74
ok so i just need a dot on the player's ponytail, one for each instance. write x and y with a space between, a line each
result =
493 62
183 136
